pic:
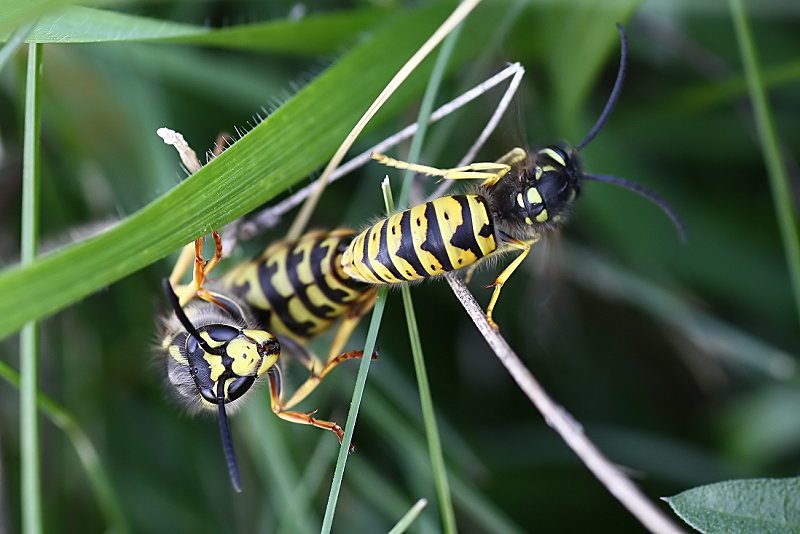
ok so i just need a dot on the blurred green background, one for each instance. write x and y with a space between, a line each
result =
678 360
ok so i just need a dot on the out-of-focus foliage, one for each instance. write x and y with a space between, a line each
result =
677 359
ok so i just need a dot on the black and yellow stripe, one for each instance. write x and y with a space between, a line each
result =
430 239
298 288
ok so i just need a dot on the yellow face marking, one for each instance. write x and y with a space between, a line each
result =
245 356
214 361
533 196
547 168
555 156
269 360
528 220
537 173
542 217
520 201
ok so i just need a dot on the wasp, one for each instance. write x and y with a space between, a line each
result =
216 351
522 196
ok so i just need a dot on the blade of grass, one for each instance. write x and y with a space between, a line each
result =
355 403
104 493
410 517
478 510
301 37
383 495
425 397
429 418
29 338
262 164
358 390
770 146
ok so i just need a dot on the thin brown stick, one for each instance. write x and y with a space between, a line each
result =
563 423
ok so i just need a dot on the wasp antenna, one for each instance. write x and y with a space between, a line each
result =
612 100
187 324
653 197
227 444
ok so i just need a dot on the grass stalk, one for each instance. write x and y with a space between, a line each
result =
358 390
770 146
29 339
107 500
426 399
409 517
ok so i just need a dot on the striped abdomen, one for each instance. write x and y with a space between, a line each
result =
298 289
434 238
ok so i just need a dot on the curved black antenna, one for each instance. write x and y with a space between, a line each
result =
187 324
653 197
612 100
227 442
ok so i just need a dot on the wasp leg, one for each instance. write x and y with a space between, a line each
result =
202 268
316 377
350 321
472 171
514 156
182 265
471 272
525 247
335 354
278 407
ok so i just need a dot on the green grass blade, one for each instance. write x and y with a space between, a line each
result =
262 164
29 340
770 146
313 34
429 417
478 510
303 37
409 518
355 404
425 397
358 390
107 499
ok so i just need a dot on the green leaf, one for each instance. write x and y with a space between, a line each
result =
755 505
303 36
14 13
277 153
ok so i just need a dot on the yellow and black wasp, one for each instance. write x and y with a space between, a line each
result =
522 196
215 349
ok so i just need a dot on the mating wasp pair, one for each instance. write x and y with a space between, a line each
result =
216 351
